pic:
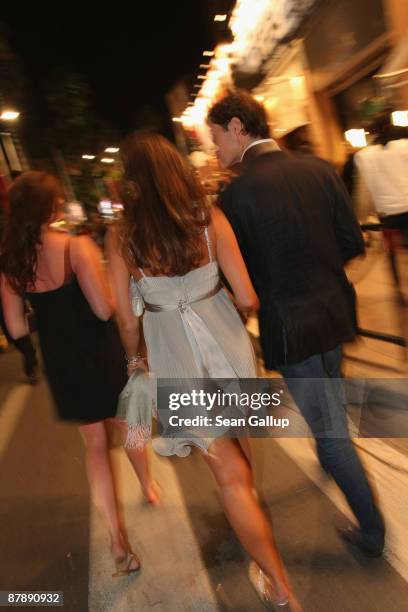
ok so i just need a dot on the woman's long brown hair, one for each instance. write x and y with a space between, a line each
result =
32 203
165 208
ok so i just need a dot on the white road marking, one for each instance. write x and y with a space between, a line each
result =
10 413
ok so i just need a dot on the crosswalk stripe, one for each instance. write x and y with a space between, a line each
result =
11 411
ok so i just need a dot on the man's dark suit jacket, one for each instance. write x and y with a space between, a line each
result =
295 227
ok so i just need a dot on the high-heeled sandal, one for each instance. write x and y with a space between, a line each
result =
265 589
130 564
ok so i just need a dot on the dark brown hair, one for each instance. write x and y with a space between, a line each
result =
33 201
240 104
165 208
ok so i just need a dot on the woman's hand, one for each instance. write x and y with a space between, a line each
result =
248 307
136 363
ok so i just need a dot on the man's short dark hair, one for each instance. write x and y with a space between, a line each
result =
249 111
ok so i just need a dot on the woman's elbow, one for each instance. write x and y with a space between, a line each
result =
104 311
106 315
17 330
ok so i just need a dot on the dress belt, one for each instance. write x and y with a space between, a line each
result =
182 304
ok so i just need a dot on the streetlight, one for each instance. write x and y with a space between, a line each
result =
88 156
112 150
9 115
107 160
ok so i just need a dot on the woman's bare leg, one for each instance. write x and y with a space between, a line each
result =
233 475
101 482
140 463
246 449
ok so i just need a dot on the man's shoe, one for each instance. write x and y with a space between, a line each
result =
352 536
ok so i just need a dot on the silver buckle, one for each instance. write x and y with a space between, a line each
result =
182 305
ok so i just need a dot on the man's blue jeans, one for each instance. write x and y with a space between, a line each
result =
321 401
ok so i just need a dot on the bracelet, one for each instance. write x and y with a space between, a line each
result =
132 361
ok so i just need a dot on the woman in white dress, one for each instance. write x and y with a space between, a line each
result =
170 245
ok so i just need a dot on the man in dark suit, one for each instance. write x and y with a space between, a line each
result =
295 227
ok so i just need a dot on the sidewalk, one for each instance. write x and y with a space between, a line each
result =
380 311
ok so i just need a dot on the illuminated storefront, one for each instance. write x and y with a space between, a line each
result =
311 63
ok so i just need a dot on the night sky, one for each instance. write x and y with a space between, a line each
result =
129 57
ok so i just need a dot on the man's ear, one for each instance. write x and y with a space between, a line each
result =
236 126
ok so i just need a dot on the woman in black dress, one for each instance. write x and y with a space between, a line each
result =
64 280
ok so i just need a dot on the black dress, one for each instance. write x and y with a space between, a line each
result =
83 356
